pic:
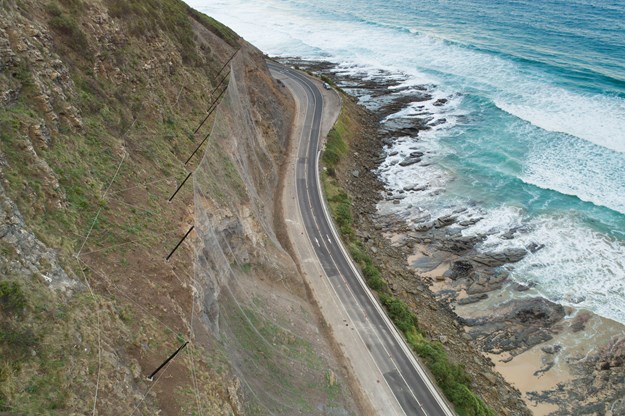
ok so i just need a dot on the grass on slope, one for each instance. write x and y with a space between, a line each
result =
50 358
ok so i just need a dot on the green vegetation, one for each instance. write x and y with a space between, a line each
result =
63 135
214 26
336 146
66 25
143 17
12 298
450 377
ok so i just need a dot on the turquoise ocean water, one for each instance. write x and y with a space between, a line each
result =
534 138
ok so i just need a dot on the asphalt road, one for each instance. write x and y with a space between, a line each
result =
411 386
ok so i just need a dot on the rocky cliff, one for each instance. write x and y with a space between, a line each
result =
102 103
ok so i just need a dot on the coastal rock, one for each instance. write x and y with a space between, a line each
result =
409 161
416 188
444 221
478 288
424 226
520 287
551 349
534 247
470 221
459 269
495 259
516 325
472 299
536 310
458 244
437 122
509 235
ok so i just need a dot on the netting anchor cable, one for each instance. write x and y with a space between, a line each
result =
180 186
180 242
171 357
212 108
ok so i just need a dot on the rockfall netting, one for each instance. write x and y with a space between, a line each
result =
248 288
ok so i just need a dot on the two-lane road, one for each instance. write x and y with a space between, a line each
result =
413 391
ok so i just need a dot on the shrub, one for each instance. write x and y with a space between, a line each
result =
12 297
66 26
335 148
172 17
399 312
214 26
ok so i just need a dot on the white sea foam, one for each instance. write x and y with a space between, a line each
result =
281 28
575 167
578 265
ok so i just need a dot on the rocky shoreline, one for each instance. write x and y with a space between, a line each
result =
465 297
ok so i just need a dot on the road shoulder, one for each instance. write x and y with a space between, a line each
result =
366 380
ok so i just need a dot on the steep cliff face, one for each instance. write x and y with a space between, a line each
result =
101 101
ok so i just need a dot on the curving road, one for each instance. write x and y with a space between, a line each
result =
413 392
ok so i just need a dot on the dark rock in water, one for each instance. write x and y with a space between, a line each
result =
409 161
478 287
394 153
497 276
509 235
422 218
537 337
534 247
551 349
471 221
424 226
459 269
514 255
472 299
458 244
580 320
509 255
416 188
416 154
516 325
440 102
537 311
444 221
437 122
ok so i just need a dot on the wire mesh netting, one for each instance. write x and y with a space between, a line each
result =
249 289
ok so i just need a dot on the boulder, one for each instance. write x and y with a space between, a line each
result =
409 161
472 299
444 221
424 226
459 269
496 259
